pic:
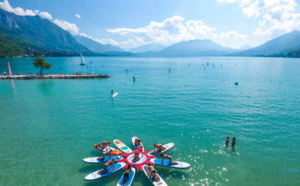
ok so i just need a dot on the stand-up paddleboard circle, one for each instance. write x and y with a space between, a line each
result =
142 159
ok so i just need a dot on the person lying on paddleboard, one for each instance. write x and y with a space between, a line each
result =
110 162
138 143
104 154
152 173
158 147
136 156
126 175
167 157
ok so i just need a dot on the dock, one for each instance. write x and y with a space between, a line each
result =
53 76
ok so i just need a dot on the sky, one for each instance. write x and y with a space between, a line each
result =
132 23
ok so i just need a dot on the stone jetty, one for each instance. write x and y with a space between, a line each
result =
54 76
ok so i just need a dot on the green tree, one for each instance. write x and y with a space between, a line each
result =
39 62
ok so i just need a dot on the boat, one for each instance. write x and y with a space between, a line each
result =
82 60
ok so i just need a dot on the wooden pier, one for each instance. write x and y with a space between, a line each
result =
54 76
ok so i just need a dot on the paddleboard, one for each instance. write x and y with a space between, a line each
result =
115 94
166 163
161 181
114 152
94 159
130 179
167 147
133 140
122 147
110 170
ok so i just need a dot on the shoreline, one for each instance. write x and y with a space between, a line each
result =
53 76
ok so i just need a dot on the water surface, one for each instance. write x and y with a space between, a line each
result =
48 126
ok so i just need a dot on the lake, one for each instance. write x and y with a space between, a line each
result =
48 126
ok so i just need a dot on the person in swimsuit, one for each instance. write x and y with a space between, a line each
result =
233 142
152 173
138 143
110 162
104 154
136 156
227 141
158 147
167 157
112 92
126 175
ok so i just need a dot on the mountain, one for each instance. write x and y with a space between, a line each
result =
276 47
294 53
147 48
32 35
245 47
192 48
97 47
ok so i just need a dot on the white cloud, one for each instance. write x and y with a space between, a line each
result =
171 30
70 27
78 16
101 41
45 15
275 16
21 12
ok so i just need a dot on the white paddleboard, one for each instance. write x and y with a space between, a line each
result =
95 159
110 170
124 148
114 151
130 179
161 181
166 163
133 140
167 147
115 94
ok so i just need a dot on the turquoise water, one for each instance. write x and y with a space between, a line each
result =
48 126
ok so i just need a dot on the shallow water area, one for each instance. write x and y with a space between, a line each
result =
48 126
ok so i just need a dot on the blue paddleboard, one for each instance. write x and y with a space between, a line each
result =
110 170
130 179
166 163
94 159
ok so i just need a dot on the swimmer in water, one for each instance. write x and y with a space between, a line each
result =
227 141
233 142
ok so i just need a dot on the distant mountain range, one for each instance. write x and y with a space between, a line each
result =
21 35
32 35
152 47
97 47
279 46
192 48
